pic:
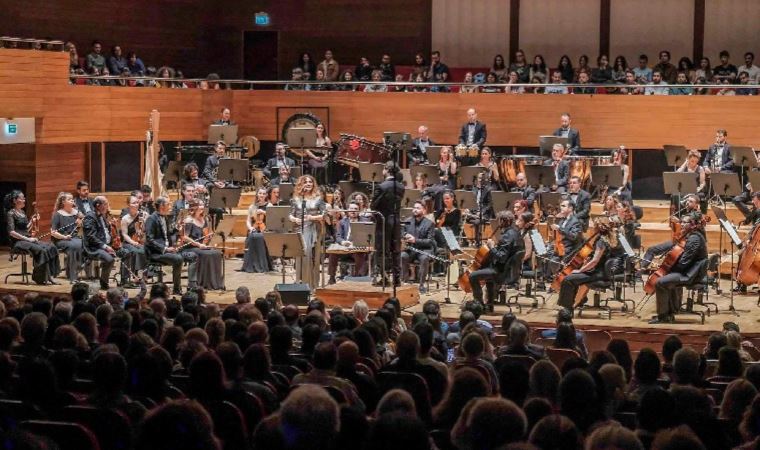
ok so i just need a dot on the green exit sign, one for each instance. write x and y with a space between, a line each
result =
12 128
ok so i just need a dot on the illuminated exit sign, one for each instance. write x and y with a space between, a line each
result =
262 19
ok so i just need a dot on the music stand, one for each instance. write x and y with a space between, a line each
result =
235 170
284 245
736 241
363 234
410 196
371 173
675 155
607 176
754 180
301 137
744 157
226 133
399 138
550 199
405 214
278 219
725 184
286 191
431 172
539 175
434 153
225 198
546 143
678 183
468 175
174 173
406 177
348 188
504 200
466 199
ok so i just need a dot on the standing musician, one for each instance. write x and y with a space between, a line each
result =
668 287
343 237
419 234
487 162
561 168
387 201
495 269
256 258
99 236
64 233
225 118
581 200
483 201
132 227
83 202
473 132
159 248
278 161
751 217
572 134
593 268
692 206
195 236
23 231
718 157
691 165
418 153
527 191
447 168
308 202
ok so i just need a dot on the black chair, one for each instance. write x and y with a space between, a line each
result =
712 279
530 277
414 384
288 371
67 435
524 360
25 275
627 419
695 285
619 280
598 287
229 424
110 426
13 412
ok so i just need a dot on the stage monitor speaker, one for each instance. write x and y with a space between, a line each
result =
293 293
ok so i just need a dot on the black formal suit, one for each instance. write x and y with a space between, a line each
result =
479 137
582 202
726 160
496 269
157 239
418 152
571 230
95 239
561 173
83 206
387 201
528 194
210 169
423 231
223 122
272 169
668 289
573 139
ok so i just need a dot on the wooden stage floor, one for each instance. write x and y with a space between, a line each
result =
259 284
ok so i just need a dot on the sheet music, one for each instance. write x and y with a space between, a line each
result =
731 231
626 245
538 242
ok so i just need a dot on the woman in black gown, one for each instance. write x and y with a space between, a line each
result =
195 236
45 255
64 233
256 258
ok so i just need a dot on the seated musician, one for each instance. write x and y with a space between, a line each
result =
581 199
225 118
691 165
183 203
525 223
273 196
256 258
473 132
362 201
447 168
318 162
191 176
522 186
21 231
342 237
572 134
668 287
132 228
283 176
561 168
82 198
420 235
568 233
97 236
487 162
692 205
137 193
195 238
278 161
619 158
593 268
160 249
418 153
482 193
519 207
147 199
449 216
495 269
65 233
420 181
211 168
751 217
718 157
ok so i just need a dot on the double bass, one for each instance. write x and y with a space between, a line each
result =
748 269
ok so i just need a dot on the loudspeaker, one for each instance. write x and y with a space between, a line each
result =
293 293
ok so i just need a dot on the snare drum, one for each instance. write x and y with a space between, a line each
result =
464 151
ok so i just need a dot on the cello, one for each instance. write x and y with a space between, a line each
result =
481 258
671 258
576 262
748 269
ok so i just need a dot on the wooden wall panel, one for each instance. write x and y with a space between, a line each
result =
731 25
470 34
649 26
57 168
556 27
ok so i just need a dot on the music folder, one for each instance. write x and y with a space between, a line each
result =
727 225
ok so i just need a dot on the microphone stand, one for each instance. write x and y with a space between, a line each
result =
303 229
479 230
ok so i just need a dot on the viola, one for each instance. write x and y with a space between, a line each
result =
748 269
114 230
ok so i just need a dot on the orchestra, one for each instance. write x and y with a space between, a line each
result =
577 246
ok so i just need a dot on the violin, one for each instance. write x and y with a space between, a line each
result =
114 230
34 222
559 247
576 262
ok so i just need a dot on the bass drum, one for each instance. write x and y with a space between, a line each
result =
299 120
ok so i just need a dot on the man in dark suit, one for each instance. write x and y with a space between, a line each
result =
211 168
473 132
343 237
495 270
420 144
225 118
282 177
581 200
84 204
718 157
279 160
387 201
561 168
420 234
159 249
668 287
97 238
569 227
482 192
522 186
572 134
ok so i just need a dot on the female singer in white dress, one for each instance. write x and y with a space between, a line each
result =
308 202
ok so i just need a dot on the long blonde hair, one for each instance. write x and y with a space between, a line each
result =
299 187
60 199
